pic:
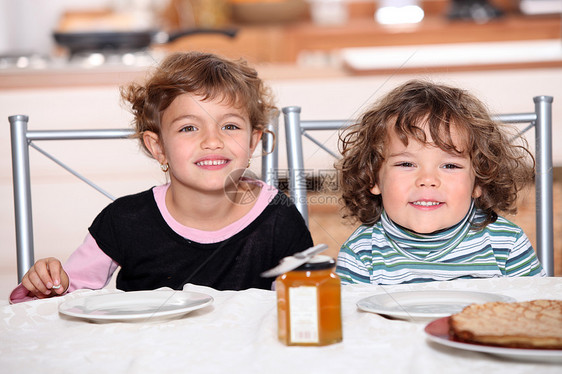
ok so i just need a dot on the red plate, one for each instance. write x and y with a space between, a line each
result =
438 332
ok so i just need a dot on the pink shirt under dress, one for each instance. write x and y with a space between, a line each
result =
88 267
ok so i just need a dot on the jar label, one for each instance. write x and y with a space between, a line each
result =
303 312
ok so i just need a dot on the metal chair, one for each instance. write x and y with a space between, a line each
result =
540 119
22 138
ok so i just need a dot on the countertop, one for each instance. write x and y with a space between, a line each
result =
303 49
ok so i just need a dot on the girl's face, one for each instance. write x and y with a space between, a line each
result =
424 188
207 144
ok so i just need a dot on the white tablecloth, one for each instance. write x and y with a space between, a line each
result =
238 334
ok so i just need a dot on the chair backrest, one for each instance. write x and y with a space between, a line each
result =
22 138
540 119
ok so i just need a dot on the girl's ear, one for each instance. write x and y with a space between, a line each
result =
152 142
254 140
375 190
477 191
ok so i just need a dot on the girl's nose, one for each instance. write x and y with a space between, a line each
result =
212 139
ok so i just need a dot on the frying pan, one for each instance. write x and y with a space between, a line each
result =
80 42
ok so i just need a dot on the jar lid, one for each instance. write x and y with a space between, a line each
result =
292 262
318 262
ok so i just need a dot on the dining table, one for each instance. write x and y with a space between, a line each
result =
236 332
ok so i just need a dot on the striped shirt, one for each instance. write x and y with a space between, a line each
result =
385 253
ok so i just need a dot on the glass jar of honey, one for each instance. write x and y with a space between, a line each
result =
309 304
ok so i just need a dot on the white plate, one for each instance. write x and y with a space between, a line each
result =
437 331
135 306
425 304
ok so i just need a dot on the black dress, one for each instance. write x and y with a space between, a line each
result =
132 231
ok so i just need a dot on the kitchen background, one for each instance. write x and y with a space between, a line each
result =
332 57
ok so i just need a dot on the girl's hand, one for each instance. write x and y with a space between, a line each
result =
46 278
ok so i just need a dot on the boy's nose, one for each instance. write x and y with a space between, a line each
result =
427 179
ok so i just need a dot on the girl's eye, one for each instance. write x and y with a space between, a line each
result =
451 166
230 126
188 128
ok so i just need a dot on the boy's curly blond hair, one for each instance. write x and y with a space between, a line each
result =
204 74
502 167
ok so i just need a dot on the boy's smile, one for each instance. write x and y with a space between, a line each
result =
423 187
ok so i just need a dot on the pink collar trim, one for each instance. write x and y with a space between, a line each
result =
267 194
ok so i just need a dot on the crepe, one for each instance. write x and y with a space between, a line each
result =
529 324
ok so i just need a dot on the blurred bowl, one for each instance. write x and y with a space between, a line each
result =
268 11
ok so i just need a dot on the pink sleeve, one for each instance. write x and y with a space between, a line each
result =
87 267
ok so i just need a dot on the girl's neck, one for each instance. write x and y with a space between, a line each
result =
210 211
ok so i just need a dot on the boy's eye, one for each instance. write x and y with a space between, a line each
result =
405 164
451 166
188 128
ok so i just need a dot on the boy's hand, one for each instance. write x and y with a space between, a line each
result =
46 278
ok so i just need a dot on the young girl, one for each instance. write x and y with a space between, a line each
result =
426 171
201 117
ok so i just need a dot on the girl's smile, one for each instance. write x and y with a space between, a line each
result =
212 162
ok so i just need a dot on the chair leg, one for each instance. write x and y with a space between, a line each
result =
297 175
22 193
543 182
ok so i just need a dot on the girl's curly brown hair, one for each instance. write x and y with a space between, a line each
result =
502 167
204 74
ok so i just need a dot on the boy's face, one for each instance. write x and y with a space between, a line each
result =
424 188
